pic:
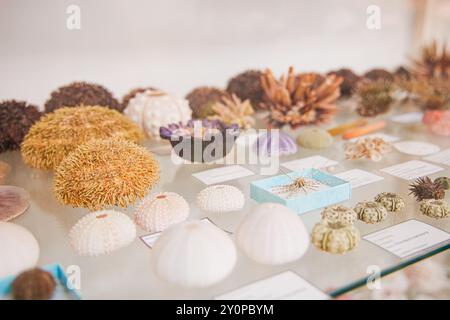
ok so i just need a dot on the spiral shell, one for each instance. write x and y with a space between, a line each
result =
371 212
435 208
158 211
220 198
391 201
102 232
339 214
335 238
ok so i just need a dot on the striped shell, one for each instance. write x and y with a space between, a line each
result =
13 202
220 198
19 249
102 232
339 214
153 109
435 208
158 211
391 201
193 254
272 234
371 212
335 238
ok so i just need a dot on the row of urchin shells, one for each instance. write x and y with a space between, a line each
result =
58 133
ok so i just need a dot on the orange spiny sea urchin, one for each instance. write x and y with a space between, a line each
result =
104 173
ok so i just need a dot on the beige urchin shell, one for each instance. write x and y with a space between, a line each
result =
58 133
220 198
105 173
339 214
158 211
335 237
102 232
13 202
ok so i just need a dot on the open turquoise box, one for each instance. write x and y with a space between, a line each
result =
62 291
336 190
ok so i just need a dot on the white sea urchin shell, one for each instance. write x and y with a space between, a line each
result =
19 249
272 234
152 109
102 232
193 254
220 198
158 211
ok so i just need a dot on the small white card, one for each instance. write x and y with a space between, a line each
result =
409 117
150 239
358 177
440 157
412 169
316 162
416 148
408 238
384 136
284 286
222 174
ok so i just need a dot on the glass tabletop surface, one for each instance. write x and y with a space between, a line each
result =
127 272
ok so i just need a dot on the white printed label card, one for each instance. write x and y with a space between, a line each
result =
412 169
409 117
150 239
284 286
358 177
316 162
440 157
408 238
222 174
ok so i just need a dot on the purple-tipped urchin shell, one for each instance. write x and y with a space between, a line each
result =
274 143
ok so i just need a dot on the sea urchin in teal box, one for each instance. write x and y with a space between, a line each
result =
316 190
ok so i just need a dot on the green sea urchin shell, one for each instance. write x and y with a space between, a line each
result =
391 201
314 138
371 212
435 208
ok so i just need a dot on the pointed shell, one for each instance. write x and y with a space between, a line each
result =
272 234
159 211
102 232
220 198
153 109
193 254
19 249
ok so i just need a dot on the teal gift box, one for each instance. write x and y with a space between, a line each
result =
331 190
62 291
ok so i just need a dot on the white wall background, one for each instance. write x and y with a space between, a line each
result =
177 45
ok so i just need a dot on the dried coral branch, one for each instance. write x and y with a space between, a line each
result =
300 99
234 111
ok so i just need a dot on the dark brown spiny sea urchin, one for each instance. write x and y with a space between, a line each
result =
58 133
350 80
34 284
104 173
425 188
247 85
16 118
202 99
81 94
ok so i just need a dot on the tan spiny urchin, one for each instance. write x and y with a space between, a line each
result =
234 111
58 133
104 173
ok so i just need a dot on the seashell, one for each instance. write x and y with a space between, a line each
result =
34 284
272 144
19 249
193 254
220 198
339 214
314 138
153 109
435 208
13 202
391 201
335 237
160 210
102 232
371 211
272 234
